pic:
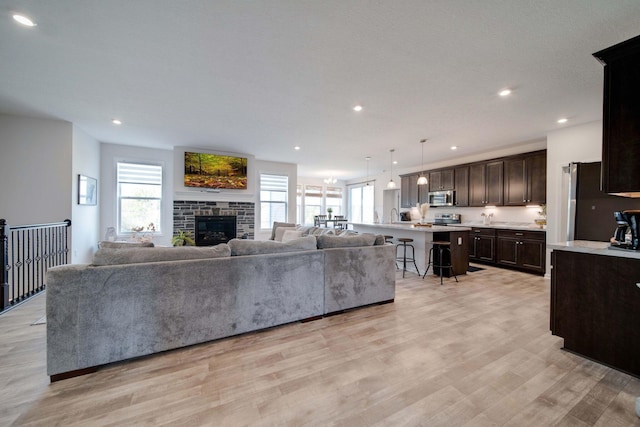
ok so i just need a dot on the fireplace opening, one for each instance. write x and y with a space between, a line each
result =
213 230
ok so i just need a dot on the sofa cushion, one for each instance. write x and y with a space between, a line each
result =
123 245
111 256
257 247
279 224
326 241
280 232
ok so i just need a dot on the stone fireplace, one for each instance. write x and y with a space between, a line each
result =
243 213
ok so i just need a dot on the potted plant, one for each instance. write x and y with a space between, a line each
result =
329 211
182 238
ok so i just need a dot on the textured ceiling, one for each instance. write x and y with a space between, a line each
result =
263 76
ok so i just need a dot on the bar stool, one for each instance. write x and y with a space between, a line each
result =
388 239
441 247
404 243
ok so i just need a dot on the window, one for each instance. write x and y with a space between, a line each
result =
361 204
273 199
334 200
139 197
312 202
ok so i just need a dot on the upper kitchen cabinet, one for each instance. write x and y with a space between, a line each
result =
621 118
486 182
441 180
461 184
525 179
410 192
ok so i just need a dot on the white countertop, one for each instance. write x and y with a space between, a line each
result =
461 227
506 225
409 226
595 248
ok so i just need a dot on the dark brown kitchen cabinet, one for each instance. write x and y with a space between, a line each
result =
521 249
486 183
594 307
461 185
621 117
482 244
410 192
441 180
525 179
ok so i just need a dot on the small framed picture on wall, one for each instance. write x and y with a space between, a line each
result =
87 190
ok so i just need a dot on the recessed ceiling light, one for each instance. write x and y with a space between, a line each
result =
357 108
454 147
395 162
505 92
297 147
24 20
563 120
116 122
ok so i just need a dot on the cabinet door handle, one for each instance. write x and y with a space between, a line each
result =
519 234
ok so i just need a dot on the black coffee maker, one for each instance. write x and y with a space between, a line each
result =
627 221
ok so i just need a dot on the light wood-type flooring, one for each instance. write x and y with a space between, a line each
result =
476 353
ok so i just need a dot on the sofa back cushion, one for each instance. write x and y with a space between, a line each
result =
326 241
123 245
111 256
257 247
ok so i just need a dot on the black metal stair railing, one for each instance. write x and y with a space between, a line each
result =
26 252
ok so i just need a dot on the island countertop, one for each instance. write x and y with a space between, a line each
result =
596 248
409 226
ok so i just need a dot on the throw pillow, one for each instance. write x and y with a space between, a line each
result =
328 241
279 224
291 235
280 232
112 256
257 247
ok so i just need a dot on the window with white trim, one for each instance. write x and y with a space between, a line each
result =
312 202
139 197
334 200
274 190
361 203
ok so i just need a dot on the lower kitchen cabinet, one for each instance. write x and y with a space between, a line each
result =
595 307
521 249
482 244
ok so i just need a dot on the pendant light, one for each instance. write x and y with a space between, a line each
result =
422 180
391 184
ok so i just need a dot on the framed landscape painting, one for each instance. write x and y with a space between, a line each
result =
87 190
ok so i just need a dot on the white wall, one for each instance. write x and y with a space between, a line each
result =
110 154
85 227
581 143
35 170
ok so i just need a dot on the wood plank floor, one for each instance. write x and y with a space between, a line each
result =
476 353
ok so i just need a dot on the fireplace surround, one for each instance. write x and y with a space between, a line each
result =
186 211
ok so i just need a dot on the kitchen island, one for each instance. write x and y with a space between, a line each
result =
422 237
595 302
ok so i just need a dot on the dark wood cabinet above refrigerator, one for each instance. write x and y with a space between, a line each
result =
621 118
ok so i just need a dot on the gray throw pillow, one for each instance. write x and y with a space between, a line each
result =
258 247
328 241
112 256
279 224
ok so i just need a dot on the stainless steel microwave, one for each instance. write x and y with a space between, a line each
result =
441 198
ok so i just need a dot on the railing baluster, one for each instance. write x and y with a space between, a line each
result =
26 252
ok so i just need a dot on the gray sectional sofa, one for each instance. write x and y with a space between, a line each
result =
139 301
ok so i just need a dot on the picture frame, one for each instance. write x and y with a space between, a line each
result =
87 190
